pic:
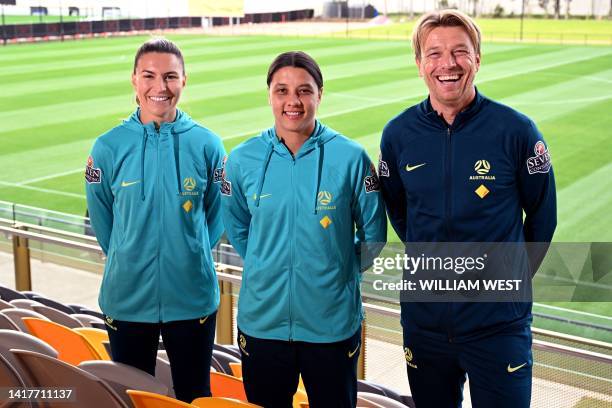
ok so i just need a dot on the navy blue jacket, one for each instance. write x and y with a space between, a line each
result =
467 182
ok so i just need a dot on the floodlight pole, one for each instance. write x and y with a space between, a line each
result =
522 17
347 18
3 28
61 22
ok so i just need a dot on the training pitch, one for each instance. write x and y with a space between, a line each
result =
56 98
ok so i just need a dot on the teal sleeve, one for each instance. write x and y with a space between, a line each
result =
215 155
368 214
236 215
98 178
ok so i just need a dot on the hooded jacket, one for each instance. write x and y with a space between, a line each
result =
299 223
154 203
467 182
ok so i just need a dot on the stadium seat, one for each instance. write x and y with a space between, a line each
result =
217 366
6 305
366 403
7 324
11 339
93 313
54 304
73 347
51 372
27 304
164 374
9 294
236 369
368 386
144 399
226 386
101 326
89 320
17 315
30 294
97 338
224 359
122 377
10 378
212 402
229 349
57 316
299 397
85 310
381 400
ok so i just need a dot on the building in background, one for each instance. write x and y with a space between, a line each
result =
237 9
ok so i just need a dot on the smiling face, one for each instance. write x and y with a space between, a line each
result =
294 97
158 83
448 63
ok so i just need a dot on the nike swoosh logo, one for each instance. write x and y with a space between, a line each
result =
203 320
261 196
351 354
129 183
513 369
410 168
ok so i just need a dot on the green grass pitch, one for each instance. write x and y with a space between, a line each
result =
56 98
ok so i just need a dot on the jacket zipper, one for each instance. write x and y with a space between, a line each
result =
160 229
447 179
448 207
291 240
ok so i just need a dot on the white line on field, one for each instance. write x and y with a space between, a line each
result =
562 309
363 98
50 176
563 102
42 190
565 370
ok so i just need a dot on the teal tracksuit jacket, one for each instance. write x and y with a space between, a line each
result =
154 203
299 224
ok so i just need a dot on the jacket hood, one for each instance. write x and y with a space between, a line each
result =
182 123
320 135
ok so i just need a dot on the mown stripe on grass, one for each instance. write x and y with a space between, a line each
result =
83 109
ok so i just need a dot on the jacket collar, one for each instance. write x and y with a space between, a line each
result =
427 111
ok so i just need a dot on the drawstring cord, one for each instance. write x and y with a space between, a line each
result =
262 175
142 163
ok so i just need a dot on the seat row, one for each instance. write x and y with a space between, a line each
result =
42 345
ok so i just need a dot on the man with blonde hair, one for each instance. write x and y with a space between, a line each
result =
461 168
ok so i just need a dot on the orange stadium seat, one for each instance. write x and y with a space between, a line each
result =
213 402
96 337
144 399
226 386
72 347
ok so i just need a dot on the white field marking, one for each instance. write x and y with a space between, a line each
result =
49 176
580 312
588 77
348 95
564 102
565 370
42 190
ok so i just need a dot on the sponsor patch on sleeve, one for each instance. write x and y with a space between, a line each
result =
226 188
383 168
540 163
92 174
371 182
218 175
